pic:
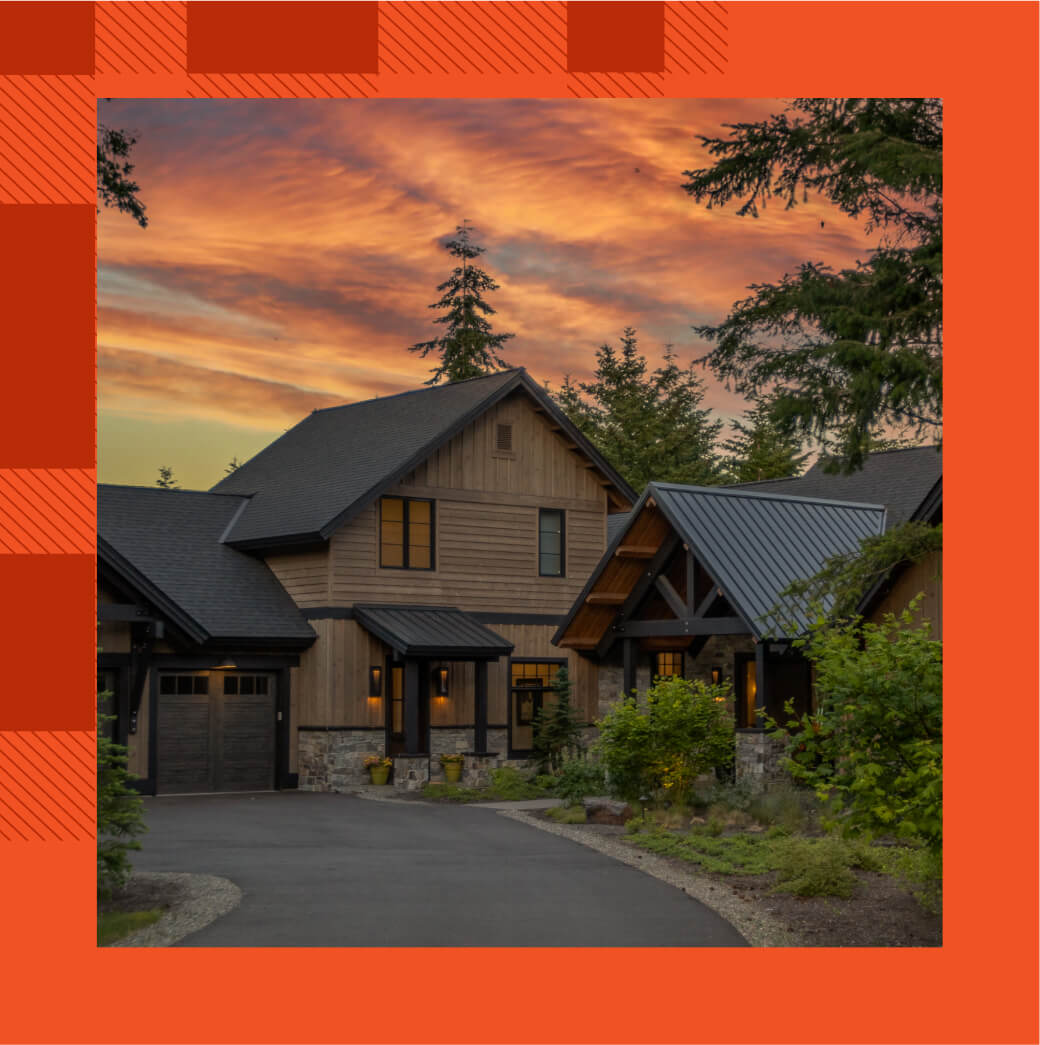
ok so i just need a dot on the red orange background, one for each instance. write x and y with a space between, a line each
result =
55 59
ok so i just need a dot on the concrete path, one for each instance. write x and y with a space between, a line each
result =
320 870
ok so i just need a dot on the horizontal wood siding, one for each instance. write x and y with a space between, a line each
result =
304 575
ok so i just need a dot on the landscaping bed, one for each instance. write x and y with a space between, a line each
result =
887 902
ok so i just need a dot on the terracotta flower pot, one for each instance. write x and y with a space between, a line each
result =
380 774
452 772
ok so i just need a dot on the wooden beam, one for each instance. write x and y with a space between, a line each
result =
480 707
635 551
638 592
671 596
628 655
760 684
577 644
707 602
686 626
691 582
606 598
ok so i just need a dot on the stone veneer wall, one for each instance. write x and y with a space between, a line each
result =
334 760
758 761
447 742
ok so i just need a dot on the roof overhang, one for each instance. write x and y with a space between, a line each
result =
443 632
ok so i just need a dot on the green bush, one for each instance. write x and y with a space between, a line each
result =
120 815
873 750
792 809
821 868
664 741
579 778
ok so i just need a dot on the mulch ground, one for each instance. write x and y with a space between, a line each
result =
882 912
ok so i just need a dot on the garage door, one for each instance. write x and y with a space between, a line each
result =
216 732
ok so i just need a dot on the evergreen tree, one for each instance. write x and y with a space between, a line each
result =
649 425
467 348
759 450
166 480
557 728
843 356
114 187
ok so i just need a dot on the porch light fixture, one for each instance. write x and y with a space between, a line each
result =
716 675
440 681
375 681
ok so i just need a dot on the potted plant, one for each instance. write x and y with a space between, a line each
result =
379 768
452 768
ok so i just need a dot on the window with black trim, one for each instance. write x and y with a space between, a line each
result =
405 533
530 688
550 542
669 664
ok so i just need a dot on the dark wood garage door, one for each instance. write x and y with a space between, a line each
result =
216 732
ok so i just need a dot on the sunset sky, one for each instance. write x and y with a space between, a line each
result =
294 246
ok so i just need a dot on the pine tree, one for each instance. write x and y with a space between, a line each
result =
166 480
468 347
649 425
759 450
557 728
114 187
843 356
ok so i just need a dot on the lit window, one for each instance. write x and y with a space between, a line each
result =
670 664
406 533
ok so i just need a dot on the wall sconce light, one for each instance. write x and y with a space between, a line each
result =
375 681
716 675
227 664
440 681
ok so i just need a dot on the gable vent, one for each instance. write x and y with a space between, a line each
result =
503 437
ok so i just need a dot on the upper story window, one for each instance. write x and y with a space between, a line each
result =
504 437
550 542
406 533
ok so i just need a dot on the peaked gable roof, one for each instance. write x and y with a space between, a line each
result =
335 462
753 544
167 545
901 480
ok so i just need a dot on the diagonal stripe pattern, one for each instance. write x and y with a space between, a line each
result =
615 85
695 37
280 85
47 511
47 130
450 38
48 786
140 38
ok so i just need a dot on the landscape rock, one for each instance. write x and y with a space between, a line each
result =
607 811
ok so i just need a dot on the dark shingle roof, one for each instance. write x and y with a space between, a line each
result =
437 631
336 461
898 479
755 544
170 541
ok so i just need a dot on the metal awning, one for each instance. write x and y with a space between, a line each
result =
431 631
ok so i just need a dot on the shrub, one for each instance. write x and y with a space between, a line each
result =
120 815
679 730
873 750
579 778
815 868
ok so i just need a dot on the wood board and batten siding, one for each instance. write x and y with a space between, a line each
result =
486 523
920 578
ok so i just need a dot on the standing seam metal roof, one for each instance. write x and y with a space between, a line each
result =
438 631
756 544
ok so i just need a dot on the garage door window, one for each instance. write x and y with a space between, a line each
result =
245 685
183 685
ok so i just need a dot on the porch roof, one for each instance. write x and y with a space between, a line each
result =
432 631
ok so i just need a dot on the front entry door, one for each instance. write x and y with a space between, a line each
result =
395 739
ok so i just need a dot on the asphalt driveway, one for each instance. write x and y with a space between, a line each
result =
321 870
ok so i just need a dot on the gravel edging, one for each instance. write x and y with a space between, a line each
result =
757 927
194 901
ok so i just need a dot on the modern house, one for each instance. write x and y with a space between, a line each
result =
692 583
386 577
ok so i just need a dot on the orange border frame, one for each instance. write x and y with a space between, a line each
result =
979 987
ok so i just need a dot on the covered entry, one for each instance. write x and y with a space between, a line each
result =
216 731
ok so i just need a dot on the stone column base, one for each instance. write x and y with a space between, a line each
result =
759 760
411 772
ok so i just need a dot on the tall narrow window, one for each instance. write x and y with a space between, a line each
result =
669 664
550 542
406 533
